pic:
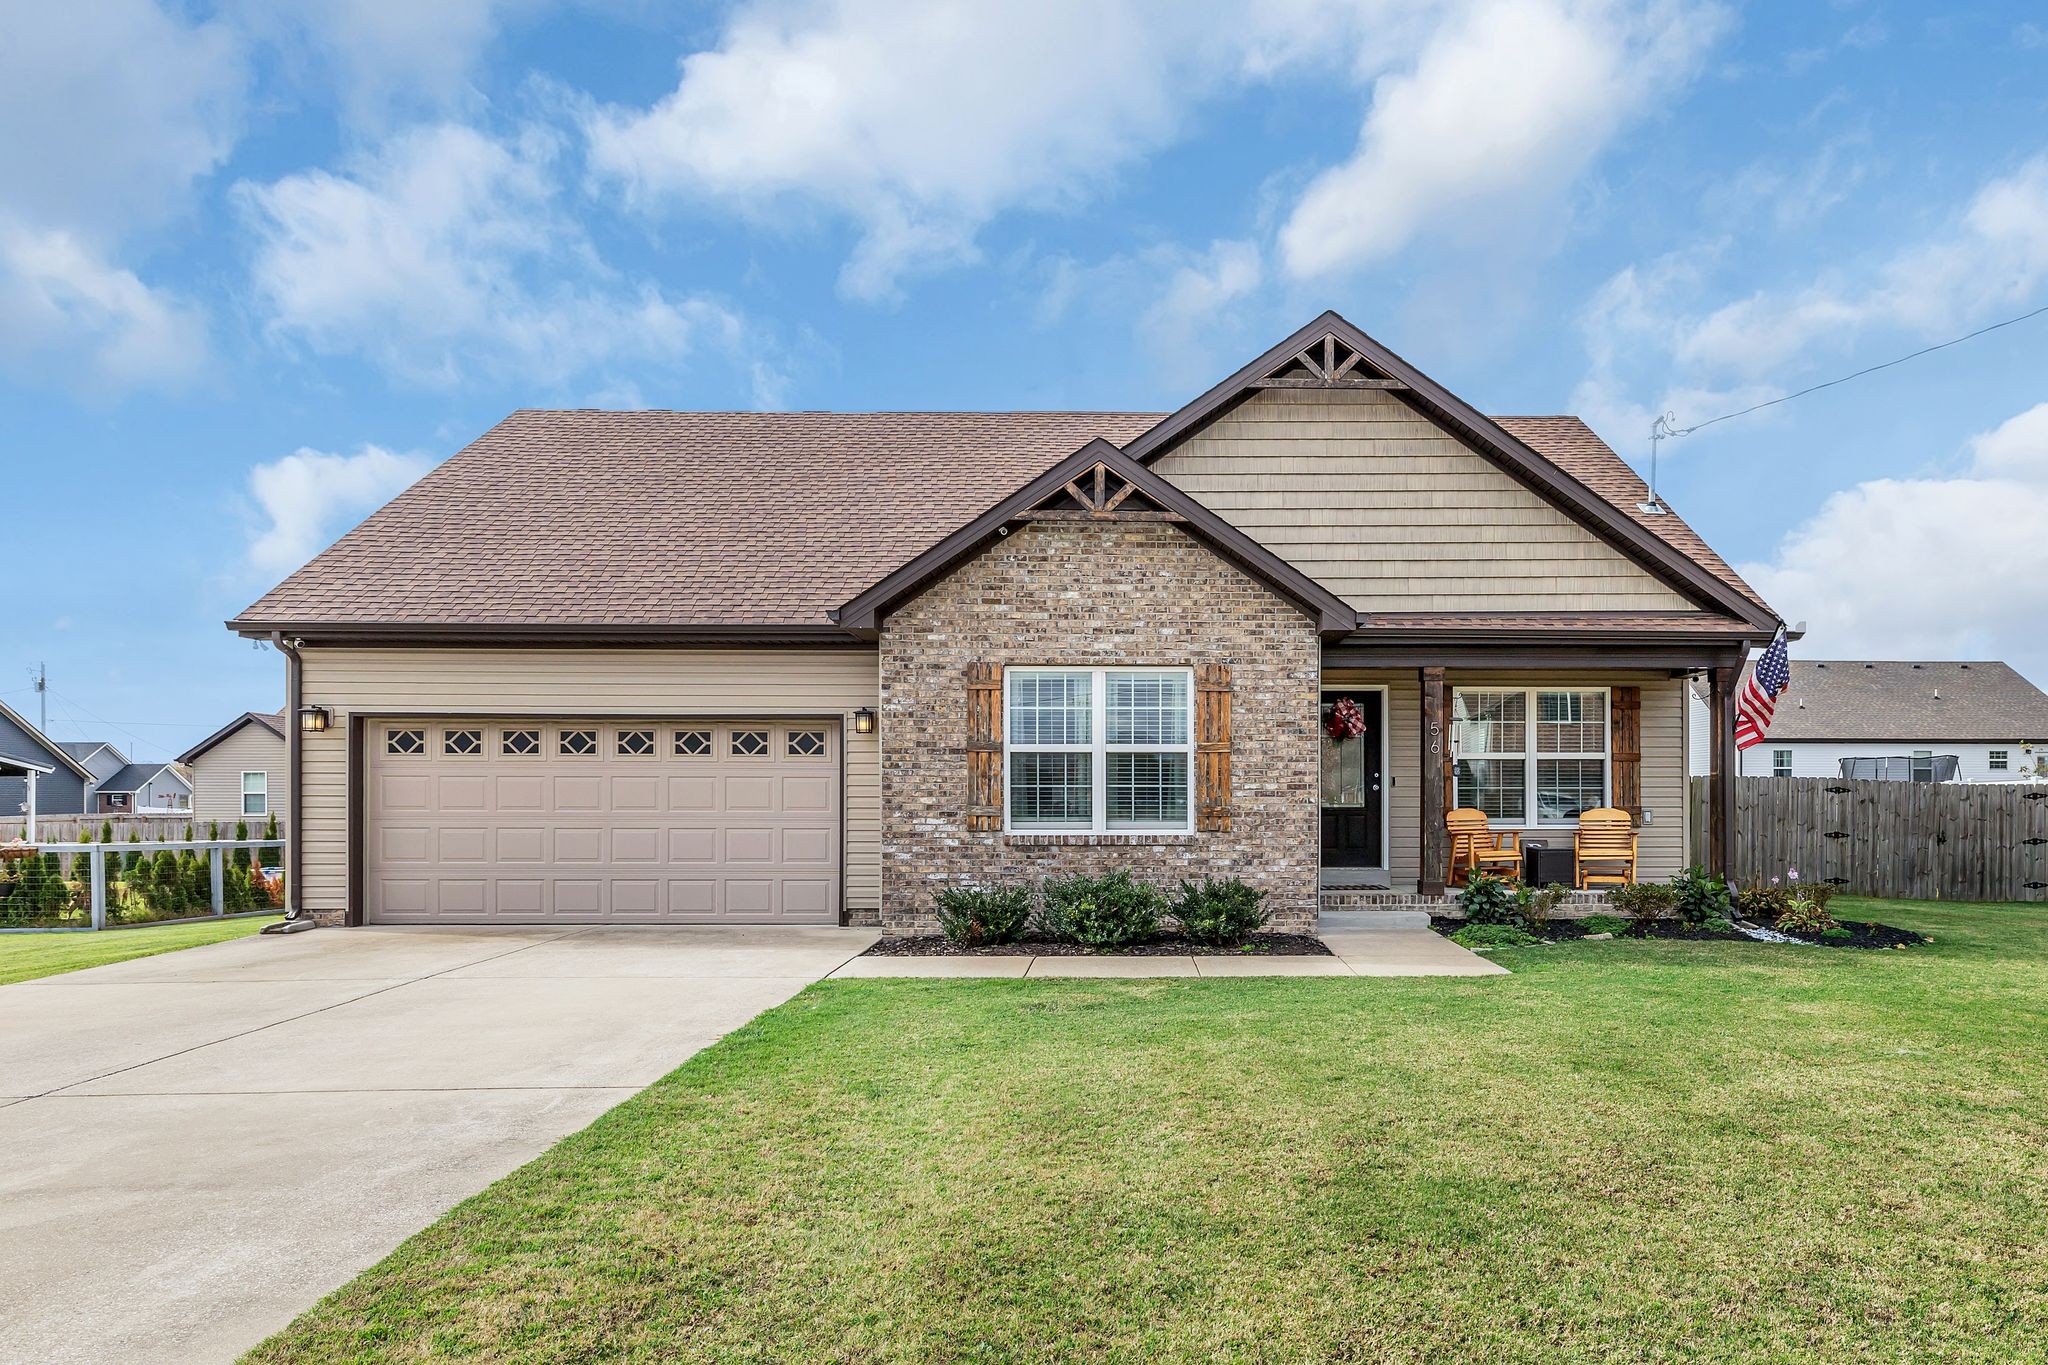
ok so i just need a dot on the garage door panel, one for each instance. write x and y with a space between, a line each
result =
592 821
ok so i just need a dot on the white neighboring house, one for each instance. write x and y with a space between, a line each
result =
238 771
1904 721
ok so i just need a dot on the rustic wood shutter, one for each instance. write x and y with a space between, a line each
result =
1212 748
1626 742
984 747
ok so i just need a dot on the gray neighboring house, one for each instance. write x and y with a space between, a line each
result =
143 789
59 791
1906 720
238 772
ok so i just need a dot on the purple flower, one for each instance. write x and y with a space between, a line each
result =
1792 874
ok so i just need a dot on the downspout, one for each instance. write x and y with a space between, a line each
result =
295 761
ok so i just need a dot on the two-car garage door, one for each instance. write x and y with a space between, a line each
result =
601 821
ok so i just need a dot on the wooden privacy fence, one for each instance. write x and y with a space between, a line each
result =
54 829
1922 840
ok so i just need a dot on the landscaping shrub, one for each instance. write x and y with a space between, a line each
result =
1643 902
1717 925
1110 911
242 859
1220 910
1803 916
1536 905
1493 936
1603 924
1767 901
970 915
1699 895
1486 899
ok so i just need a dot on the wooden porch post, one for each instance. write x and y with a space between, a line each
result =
1721 770
1435 857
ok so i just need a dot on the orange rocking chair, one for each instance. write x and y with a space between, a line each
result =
1604 851
1475 847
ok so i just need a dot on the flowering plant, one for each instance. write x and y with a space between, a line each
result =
1346 720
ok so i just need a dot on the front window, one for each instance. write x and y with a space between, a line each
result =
1781 763
2000 760
1530 756
255 793
1093 750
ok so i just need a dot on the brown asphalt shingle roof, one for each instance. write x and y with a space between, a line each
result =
1896 700
728 519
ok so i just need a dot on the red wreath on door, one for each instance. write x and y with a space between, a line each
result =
1346 721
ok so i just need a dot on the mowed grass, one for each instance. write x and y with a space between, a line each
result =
23 957
1624 1151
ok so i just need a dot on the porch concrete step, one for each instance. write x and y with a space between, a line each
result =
1342 921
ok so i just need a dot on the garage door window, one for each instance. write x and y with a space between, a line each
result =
518 743
578 742
693 743
806 743
405 742
462 743
749 743
636 743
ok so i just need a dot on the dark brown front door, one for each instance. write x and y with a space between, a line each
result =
1351 787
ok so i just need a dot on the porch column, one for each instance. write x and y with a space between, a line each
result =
1435 840
1721 770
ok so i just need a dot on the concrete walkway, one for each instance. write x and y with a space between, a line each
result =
201 1144
1362 943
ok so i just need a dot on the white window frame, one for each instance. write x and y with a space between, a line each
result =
1784 768
1099 748
248 773
1532 810
1998 760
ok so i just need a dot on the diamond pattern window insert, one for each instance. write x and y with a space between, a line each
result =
1052 789
1146 708
462 742
1051 708
693 743
519 742
636 743
577 742
749 743
805 743
405 741
1145 791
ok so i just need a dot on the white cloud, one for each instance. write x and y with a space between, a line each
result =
1489 129
1200 290
1936 567
444 253
386 55
67 313
309 496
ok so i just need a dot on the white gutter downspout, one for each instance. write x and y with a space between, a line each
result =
294 765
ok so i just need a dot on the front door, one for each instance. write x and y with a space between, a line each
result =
1351 786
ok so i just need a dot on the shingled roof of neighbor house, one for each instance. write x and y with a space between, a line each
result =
1851 699
732 520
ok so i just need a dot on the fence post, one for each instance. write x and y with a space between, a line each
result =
99 886
220 900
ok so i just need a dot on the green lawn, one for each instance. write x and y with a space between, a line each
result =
1624 1151
24 957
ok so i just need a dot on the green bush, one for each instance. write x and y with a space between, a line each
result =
971 915
1220 910
1603 924
1717 926
1699 895
1536 905
242 859
1805 917
1486 899
1837 931
1643 902
1493 936
1110 911
1767 901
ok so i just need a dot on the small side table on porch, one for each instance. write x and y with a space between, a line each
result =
1545 865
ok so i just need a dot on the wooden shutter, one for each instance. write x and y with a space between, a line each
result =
984 747
1212 748
1626 743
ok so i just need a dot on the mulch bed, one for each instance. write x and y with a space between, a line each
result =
1165 945
1862 933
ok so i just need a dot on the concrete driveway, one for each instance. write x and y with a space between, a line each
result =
199 1145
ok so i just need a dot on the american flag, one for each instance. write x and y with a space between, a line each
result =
1758 700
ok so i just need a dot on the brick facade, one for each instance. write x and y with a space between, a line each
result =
1097 594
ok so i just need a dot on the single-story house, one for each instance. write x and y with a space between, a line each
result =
69 774
239 771
804 666
144 789
1906 721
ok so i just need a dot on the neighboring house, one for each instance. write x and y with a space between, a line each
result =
813 667
144 789
1906 721
62 780
238 772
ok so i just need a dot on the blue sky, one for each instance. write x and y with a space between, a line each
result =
261 265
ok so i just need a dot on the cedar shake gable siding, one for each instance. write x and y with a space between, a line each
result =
1099 593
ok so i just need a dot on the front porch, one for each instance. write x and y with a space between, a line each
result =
1444 904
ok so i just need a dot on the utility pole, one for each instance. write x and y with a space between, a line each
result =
40 676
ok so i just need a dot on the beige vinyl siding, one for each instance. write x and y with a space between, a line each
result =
217 775
767 683
1385 508
1663 843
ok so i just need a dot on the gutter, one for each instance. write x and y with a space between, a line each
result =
295 763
